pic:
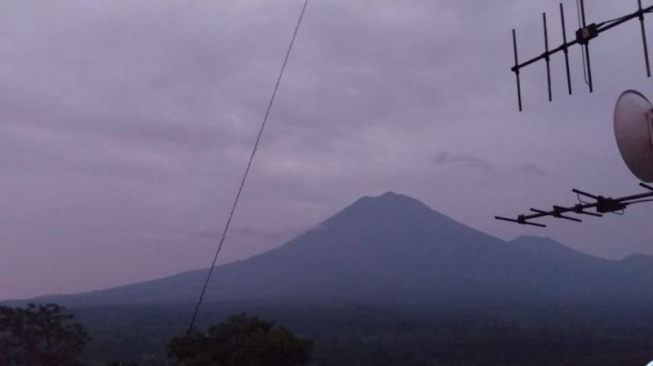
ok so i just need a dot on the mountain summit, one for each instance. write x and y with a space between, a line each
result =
394 250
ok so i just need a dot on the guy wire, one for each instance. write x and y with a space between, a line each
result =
249 165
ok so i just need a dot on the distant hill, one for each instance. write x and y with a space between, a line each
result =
394 250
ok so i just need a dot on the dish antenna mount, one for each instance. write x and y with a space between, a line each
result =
584 35
633 130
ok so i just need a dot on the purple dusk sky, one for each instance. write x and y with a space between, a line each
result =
127 124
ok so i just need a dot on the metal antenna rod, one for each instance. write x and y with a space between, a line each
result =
514 45
586 48
564 42
547 58
589 67
641 23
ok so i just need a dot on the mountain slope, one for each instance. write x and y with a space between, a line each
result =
393 249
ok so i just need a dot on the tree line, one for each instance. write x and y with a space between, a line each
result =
47 335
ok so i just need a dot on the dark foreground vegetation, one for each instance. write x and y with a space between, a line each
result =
40 335
155 335
397 337
241 340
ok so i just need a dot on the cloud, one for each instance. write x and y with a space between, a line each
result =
463 161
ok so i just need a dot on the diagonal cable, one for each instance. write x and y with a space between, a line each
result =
249 165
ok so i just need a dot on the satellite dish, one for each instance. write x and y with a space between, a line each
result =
633 129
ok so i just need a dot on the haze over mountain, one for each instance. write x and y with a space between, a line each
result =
394 250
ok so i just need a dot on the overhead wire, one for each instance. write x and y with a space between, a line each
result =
612 21
580 200
247 169
640 201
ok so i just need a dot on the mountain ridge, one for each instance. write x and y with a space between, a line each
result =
393 249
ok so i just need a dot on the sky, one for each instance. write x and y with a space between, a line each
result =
126 126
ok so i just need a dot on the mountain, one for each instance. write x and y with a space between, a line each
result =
394 250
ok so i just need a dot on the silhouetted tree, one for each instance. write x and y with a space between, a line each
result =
241 340
40 335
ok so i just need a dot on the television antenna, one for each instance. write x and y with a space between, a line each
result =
584 35
600 205
633 130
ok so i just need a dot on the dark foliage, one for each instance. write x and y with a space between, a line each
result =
366 336
241 341
40 335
